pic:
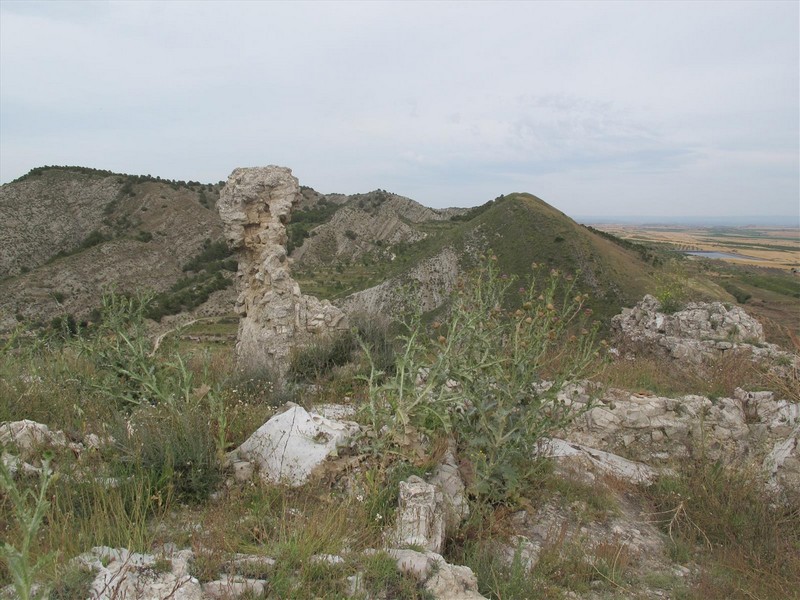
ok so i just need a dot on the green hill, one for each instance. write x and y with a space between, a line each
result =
521 230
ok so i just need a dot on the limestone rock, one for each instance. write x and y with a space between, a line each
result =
441 580
447 478
289 446
783 462
453 582
255 206
227 587
29 435
411 562
602 461
702 329
751 426
125 575
420 515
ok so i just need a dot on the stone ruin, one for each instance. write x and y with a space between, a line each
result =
275 317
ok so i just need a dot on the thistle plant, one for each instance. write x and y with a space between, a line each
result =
29 509
490 375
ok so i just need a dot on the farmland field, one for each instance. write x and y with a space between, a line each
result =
773 247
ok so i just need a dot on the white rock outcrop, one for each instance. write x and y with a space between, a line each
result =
751 426
420 515
447 479
599 461
29 435
440 579
702 330
125 575
255 205
288 447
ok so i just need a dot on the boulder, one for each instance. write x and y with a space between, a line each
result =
420 515
293 443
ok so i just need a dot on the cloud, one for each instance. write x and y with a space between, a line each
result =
610 105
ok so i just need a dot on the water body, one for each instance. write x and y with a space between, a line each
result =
714 254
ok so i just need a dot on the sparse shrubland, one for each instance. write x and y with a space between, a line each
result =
473 376
207 276
746 538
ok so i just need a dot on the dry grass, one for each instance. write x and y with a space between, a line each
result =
745 540
714 378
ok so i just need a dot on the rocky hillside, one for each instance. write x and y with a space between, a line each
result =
367 221
520 229
69 233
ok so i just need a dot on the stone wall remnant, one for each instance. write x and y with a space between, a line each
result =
275 317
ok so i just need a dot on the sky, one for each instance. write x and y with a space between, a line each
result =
599 108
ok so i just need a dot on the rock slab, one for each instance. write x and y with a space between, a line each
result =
288 447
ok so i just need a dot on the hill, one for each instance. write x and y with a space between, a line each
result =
520 229
68 233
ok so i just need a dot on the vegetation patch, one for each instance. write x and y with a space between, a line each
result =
303 221
746 539
191 291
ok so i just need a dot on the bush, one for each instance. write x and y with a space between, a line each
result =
479 376
212 252
93 239
318 359
144 236
671 294
175 449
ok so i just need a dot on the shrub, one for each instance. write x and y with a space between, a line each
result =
144 236
212 252
671 294
480 374
93 239
318 359
175 449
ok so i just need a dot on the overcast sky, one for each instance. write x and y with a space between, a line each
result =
662 108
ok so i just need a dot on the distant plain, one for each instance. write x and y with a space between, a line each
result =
761 246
